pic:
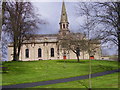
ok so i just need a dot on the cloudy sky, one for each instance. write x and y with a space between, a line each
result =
51 13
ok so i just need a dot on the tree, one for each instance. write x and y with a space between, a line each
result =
107 18
19 22
75 42
110 19
88 27
106 22
0 28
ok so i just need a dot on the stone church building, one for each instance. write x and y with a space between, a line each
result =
45 47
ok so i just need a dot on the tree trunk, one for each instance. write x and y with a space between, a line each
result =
19 47
119 48
78 58
14 51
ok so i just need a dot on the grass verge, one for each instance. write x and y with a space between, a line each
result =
34 71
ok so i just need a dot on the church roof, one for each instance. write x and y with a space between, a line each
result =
45 38
45 35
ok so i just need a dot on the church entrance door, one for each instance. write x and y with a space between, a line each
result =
91 57
64 57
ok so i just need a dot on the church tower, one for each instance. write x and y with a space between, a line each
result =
64 22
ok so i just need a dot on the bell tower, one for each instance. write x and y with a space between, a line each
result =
64 24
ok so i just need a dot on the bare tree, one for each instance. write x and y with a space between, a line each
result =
0 28
110 19
0 17
78 42
74 42
88 27
104 20
20 22
107 18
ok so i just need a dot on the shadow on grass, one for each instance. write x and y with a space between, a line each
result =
68 61
20 62
103 67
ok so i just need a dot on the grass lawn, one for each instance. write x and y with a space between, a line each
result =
33 71
106 81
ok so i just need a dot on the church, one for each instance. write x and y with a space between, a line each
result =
46 46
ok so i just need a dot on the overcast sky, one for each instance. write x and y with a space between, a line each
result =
51 13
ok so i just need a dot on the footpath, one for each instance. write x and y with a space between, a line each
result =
34 84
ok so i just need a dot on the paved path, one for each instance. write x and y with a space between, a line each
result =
26 85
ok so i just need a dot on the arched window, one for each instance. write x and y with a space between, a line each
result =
27 53
39 52
63 25
52 52
67 25
60 26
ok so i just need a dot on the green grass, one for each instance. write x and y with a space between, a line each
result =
33 71
106 81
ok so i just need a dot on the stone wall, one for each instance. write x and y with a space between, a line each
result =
46 52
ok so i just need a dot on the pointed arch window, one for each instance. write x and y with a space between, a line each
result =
27 53
39 52
60 26
67 25
52 52
63 25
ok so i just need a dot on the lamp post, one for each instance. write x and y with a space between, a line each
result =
90 69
